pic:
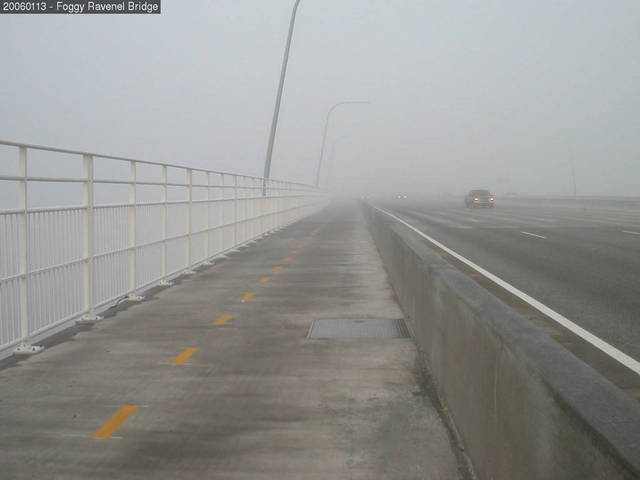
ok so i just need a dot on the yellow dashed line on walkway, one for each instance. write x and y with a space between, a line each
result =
184 356
287 259
294 252
247 296
223 319
265 279
114 423
277 268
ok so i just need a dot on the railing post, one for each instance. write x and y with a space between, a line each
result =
267 202
221 211
133 251
276 205
25 347
163 198
257 202
241 203
249 210
265 212
89 232
255 211
277 202
235 211
189 270
291 203
207 212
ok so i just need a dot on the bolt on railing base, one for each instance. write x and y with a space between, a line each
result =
26 348
166 283
134 298
89 319
188 271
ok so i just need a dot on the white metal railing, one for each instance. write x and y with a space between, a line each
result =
63 263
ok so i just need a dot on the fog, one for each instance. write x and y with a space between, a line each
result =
496 94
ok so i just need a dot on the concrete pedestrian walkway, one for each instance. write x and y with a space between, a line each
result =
215 378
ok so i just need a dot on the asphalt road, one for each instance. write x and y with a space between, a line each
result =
584 263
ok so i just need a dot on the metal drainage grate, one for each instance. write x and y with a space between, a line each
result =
358 328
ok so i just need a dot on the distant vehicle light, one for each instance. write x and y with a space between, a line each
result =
476 199
491 199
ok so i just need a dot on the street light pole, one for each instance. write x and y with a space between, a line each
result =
276 110
324 135
331 157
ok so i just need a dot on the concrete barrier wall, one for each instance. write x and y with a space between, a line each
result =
525 407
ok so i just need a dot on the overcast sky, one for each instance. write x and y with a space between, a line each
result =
497 94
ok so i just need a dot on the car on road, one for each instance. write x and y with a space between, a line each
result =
479 198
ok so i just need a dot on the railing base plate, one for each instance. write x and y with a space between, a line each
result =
27 349
89 319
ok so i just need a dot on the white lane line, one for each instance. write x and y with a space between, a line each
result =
632 233
534 234
524 220
591 220
473 220
597 342
437 219
459 217
500 218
